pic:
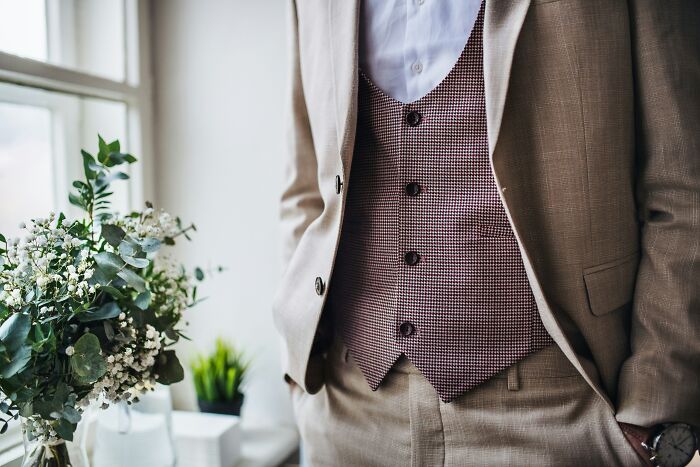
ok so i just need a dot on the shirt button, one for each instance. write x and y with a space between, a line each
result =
319 286
412 258
413 189
406 329
413 118
417 67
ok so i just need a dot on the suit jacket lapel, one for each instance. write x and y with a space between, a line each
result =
344 22
503 20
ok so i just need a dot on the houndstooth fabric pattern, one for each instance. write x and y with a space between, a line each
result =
467 299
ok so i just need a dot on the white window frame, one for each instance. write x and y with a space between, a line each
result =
135 91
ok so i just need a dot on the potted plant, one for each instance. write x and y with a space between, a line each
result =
218 378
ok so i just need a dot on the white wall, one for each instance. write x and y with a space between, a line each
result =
219 85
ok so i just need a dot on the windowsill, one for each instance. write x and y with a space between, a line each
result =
265 446
261 446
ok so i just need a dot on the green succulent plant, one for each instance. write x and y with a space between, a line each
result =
218 377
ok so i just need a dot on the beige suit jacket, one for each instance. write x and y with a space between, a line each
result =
593 110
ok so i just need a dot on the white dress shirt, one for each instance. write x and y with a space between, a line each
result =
407 47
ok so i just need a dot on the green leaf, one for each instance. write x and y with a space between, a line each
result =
65 429
134 280
106 311
131 253
168 368
143 300
14 331
46 407
113 291
150 245
2 238
102 147
109 330
139 263
19 362
90 166
118 158
106 180
70 414
26 409
104 280
113 234
87 364
76 200
109 263
199 274
114 146
128 247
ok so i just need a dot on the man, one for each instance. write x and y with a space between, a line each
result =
492 232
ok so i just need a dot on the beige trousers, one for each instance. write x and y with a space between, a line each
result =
539 412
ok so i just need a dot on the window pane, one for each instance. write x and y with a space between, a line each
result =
87 35
41 135
23 28
26 181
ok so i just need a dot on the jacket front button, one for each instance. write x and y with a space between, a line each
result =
319 286
338 184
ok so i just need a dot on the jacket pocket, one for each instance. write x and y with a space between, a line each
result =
611 285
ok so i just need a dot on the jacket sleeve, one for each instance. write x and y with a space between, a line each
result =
660 381
301 200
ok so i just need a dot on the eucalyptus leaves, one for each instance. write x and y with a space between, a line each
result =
88 310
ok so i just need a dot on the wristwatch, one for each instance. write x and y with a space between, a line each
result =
673 446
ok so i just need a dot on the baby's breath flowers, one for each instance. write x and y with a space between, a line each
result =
88 308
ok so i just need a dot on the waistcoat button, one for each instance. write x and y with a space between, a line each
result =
319 286
406 329
413 189
413 118
412 258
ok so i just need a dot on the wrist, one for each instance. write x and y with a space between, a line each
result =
668 445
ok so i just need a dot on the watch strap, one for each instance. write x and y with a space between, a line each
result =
639 437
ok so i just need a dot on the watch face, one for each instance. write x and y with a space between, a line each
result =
675 446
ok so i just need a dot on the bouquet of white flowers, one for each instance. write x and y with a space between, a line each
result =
87 310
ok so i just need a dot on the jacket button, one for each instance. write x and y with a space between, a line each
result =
411 258
413 189
406 329
338 184
413 118
319 286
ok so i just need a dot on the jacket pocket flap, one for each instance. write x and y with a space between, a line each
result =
611 285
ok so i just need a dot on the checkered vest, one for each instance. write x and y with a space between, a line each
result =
427 264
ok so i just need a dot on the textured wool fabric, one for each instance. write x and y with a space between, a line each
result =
538 412
465 310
